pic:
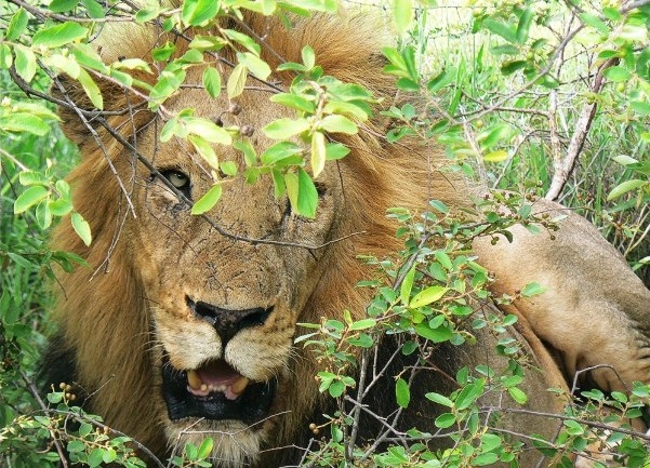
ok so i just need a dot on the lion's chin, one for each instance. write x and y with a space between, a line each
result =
234 444
215 391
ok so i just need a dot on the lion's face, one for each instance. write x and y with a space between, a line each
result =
223 311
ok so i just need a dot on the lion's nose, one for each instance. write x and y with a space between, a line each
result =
228 322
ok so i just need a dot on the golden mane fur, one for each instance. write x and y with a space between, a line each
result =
117 317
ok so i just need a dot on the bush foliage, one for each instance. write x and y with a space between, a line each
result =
544 98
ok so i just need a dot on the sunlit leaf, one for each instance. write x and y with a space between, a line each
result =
60 34
29 198
81 227
196 12
207 201
236 81
318 153
403 14
17 25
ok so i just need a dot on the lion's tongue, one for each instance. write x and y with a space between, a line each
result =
216 376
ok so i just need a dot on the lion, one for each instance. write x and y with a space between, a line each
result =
182 329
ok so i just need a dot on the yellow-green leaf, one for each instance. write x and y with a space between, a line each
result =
207 201
60 34
91 89
403 14
428 296
81 227
236 81
25 62
29 198
318 153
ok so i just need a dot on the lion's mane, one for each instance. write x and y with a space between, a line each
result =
107 336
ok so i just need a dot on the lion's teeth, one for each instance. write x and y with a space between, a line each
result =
194 380
239 386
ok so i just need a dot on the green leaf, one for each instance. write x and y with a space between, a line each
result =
282 129
504 49
17 24
485 459
245 146
148 13
442 80
258 67
308 57
91 89
243 40
595 22
617 74
294 101
402 393
29 198
96 457
494 134
211 79
363 324
533 289
469 394
236 81
229 168
501 29
523 27
94 9
518 395
207 201
60 207
81 227
205 150
406 286
208 130
75 446
445 420
338 124
336 389
60 6
336 151
307 195
640 107
435 335
43 215
428 296
440 399
282 152
626 187
403 15
60 34
163 52
205 450
196 12
6 57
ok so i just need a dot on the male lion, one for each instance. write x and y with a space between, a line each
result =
179 331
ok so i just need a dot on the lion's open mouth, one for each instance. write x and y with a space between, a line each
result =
215 391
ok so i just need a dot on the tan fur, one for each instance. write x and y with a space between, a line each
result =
122 312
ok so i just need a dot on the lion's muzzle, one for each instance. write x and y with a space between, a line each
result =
215 391
228 322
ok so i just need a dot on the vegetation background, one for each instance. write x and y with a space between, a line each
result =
546 98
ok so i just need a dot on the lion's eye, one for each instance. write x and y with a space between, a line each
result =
179 180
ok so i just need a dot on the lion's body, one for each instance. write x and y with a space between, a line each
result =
154 266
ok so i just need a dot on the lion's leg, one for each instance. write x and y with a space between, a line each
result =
595 311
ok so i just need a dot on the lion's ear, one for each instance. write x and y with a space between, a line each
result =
124 112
